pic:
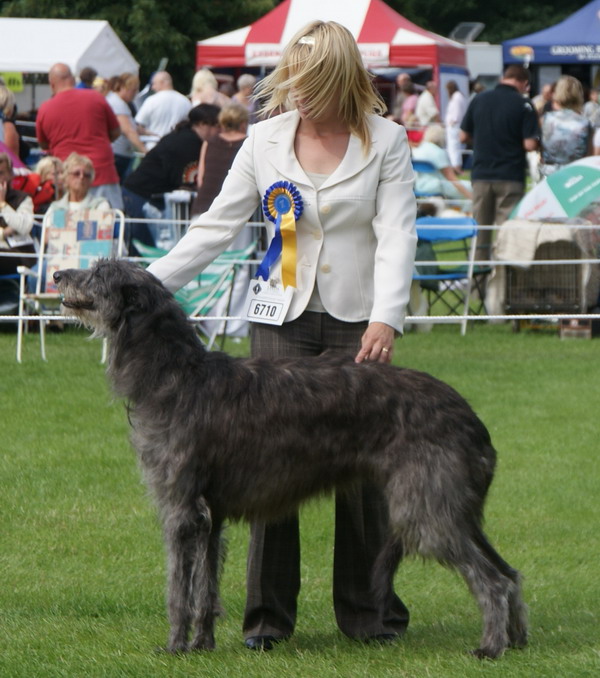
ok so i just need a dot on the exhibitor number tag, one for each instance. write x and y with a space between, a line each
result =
267 302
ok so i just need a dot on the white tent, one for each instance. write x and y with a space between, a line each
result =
34 45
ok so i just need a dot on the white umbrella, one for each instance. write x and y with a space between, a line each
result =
573 191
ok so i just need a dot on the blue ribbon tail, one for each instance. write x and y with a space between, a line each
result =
273 253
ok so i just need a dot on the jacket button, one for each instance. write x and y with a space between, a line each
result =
326 268
317 235
325 209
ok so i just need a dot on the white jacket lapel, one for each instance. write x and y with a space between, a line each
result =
353 162
281 154
279 150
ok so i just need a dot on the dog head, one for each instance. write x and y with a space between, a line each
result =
104 296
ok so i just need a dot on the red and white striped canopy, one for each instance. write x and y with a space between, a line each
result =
385 38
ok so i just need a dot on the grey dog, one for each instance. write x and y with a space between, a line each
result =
223 438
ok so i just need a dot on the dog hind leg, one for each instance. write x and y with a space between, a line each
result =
185 529
205 593
384 568
491 587
517 610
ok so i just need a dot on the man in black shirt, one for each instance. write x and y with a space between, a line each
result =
502 126
172 164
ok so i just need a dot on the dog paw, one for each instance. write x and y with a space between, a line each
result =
486 653
519 642
172 650
203 644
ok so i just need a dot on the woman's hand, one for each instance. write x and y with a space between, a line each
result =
377 344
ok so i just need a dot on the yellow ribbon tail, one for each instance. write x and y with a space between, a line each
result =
288 253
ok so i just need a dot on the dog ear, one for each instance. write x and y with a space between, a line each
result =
129 293
139 298
134 298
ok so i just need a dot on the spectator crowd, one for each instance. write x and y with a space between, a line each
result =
131 149
142 147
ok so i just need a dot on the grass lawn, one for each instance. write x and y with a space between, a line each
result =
81 558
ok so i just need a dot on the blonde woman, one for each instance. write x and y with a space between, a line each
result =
205 90
567 135
355 255
12 139
444 181
78 175
50 171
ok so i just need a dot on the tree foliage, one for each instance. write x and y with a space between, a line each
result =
152 29
503 21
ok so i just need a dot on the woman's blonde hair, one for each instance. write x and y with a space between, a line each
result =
202 79
76 160
233 117
568 93
127 80
7 102
321 62
246 80
435 134
47 166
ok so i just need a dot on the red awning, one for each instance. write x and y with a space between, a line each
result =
385 38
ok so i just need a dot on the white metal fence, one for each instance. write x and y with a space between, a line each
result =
588 264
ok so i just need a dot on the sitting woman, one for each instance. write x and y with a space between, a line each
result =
51 173
43 185
444 181
16 221
78 174
567 135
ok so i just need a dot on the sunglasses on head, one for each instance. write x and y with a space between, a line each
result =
81 173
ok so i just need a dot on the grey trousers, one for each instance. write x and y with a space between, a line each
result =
493 201
273 569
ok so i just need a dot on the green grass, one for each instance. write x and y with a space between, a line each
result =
82 564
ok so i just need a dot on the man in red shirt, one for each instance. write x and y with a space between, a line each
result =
81 121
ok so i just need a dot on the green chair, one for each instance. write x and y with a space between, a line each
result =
199 297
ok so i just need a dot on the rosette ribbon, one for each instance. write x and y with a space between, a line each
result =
282 204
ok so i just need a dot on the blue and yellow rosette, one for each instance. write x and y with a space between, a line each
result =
282 204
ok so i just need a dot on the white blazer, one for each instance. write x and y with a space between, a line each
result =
356 237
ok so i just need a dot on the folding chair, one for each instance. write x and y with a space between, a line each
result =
199 297
424 167
9 293
447 284
70 239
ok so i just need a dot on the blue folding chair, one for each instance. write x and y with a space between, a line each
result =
452 239
424 167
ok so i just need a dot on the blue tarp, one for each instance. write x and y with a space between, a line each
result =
574 40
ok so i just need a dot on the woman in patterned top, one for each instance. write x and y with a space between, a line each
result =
566 133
